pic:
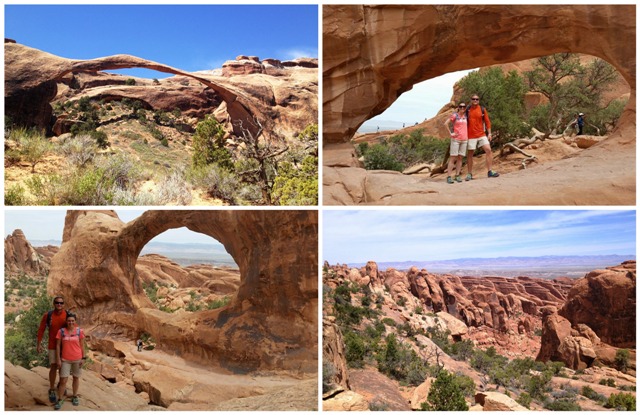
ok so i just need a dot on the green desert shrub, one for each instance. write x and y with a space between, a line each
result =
15 196
218 303
209 145
445 394
19 344
621 402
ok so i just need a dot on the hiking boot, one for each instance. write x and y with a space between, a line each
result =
58 404
52 396
75 401
449 180
458 179
469 177
492 173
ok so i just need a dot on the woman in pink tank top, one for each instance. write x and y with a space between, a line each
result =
70 351
457 127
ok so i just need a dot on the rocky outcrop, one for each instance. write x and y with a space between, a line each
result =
26 390
599 314
369 60
503 304
32 78
494 401
21 257
274 310
334 360
605 300
346 401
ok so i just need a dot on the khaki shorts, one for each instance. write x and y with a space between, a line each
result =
478 142
53 357
71 367
458 148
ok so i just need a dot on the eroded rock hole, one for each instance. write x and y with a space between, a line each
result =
184 271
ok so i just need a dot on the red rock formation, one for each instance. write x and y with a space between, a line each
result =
333 354
599 313
20 256
605 300
31 78
275 309
368 61
487 301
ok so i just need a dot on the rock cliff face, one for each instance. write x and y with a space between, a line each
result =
374 53
490 302
599 315
34 78
605 300
274 310
20 256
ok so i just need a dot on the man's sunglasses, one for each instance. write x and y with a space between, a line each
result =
59 302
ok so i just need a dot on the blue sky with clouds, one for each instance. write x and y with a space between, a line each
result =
188 37
351 236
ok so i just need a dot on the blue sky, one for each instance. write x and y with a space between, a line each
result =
188 37
351 236
421 102
48 224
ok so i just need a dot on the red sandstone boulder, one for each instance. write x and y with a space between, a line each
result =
605 300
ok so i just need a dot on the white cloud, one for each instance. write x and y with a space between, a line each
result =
295 53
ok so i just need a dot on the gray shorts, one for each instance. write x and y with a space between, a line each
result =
71 367
53 357
458 148
477 142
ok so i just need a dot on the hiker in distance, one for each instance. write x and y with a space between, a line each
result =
479 129
580 123
457 127
52 320
70 352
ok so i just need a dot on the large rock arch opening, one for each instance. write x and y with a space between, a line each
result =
184 271
270 324
374 53
31 75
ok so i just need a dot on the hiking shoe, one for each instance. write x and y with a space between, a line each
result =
52 396
449 180
458 179
75 401
469 177
492 173
58 404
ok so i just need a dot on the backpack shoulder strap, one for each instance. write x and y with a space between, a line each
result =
78 331
62 332
49 318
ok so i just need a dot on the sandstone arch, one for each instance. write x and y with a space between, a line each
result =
31 75
374 53
272 321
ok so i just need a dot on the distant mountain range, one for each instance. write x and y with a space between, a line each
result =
549 266
181 253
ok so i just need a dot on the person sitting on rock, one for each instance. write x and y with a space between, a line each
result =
52 320
457 126
70 352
